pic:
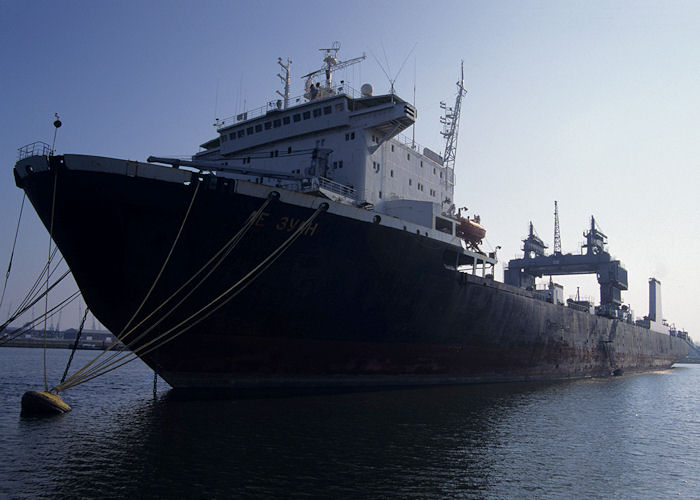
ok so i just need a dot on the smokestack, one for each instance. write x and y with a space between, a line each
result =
655 300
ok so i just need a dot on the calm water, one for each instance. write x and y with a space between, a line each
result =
625 437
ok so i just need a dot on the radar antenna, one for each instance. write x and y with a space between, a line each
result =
450 122
285 80
333 64
557 234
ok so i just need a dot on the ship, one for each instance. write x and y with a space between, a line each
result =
311 245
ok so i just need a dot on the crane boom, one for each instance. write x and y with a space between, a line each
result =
333 64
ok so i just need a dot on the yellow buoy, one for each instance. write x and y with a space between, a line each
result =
43 403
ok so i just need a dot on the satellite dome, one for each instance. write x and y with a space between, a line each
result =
366 90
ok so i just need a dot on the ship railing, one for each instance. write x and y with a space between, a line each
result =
337 188
37 148
276 105
408 141
578 307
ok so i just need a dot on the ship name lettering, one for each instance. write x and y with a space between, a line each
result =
289 224
261 219
311 230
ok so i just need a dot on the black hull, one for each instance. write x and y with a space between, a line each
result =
351 303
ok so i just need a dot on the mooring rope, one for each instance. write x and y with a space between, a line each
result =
32 291
121 334
48 262
225 250
219 257
18 313
12 254
51 313
167 259
205 311
75 345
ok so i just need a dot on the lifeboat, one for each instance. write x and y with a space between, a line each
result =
471 231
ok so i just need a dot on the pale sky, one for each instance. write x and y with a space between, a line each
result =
593 104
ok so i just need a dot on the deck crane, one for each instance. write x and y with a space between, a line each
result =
332 64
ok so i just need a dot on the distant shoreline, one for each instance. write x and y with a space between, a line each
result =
62 344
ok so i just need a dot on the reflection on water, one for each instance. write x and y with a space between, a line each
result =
631 436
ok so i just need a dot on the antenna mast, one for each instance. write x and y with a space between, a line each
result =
450 122
285 80
557 234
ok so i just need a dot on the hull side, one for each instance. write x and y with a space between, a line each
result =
350 303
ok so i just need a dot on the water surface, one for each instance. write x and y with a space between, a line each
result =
624 437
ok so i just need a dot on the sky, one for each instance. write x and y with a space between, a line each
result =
594 104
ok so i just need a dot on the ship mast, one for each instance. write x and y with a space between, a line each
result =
332 64
557 233
450 122
285 80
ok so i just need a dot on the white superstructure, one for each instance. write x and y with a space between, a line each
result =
350 145
345 146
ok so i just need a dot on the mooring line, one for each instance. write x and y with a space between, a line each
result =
75 344
51 313
226 249
232 292
121 335
48 263
167 259
12 254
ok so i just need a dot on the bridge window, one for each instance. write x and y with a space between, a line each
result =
249 131
296 118
277 123
232 135
327 110
268 125
392 148
317 112
307 115
285 120
241 133
258 127
443 225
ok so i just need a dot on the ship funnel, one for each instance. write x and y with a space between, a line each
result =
655 300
